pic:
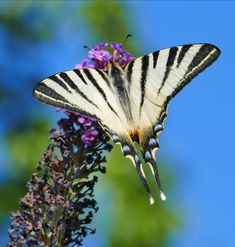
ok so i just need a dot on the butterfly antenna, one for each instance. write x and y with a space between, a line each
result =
148 157
128 36
86 47
130 152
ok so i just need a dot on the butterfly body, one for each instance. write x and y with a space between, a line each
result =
130 101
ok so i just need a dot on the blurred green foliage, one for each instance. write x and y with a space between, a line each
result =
106 21
10 192
135 221
15 16
30 139
26 145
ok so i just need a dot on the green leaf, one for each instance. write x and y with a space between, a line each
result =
26 145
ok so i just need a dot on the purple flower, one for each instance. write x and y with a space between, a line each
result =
100 46
89 136
126 57
121 56
117 47
85 64
100 55
85 121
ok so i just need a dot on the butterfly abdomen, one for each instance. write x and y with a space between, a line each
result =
117 79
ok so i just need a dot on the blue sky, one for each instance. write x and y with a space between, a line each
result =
199 132
198 140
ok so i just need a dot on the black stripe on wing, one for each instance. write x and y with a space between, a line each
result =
69 81
41 90
79 74
129 73
205 56
144 68
155 58
169 63
49 96
60 82
200 55
72 85
100 90
103 75
182 53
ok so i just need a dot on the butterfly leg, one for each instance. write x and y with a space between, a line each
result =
148 151
130 152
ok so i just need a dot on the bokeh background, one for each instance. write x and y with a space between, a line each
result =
196 156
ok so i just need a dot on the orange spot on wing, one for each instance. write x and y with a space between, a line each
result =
136 134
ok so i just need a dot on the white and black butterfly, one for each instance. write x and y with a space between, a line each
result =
130 103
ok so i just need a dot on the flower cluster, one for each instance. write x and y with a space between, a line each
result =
59 203
101 57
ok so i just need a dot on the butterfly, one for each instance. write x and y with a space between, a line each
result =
130 102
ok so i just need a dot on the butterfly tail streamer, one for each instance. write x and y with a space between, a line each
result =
153 166
148 149
130 152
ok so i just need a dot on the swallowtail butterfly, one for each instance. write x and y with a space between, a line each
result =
130 102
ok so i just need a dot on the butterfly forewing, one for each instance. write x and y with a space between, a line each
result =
86 91
157 77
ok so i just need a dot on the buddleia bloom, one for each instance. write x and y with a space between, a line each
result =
101 57
59 204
